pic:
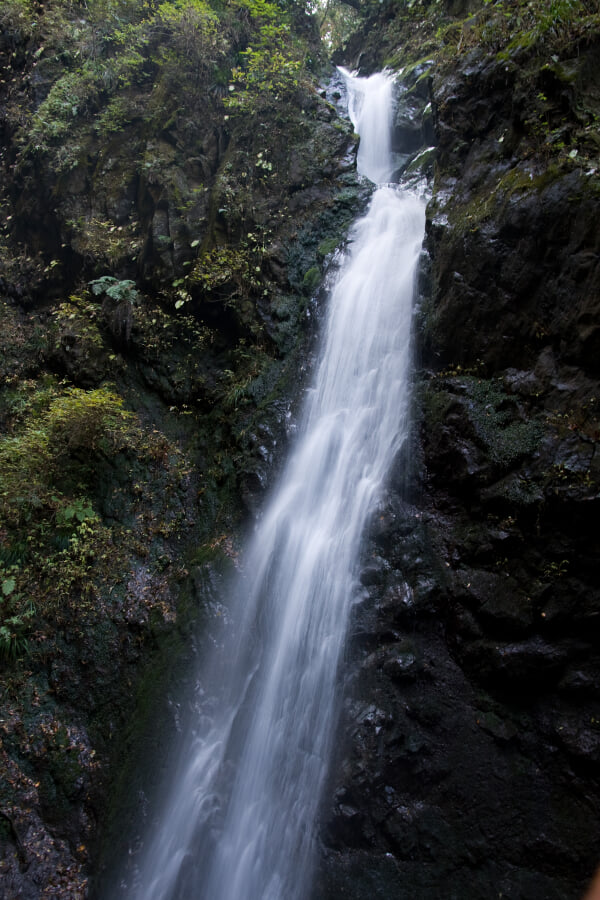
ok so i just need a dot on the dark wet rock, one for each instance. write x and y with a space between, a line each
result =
375 571
532 665
580 737
483 632
500 728
495 598
400 664
582 678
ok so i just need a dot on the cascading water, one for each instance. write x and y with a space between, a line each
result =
370 107
239 821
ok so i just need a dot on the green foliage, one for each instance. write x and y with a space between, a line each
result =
54 547
15 616
77 95
89 421
35 457
337 21
193 43
119 290
13 640
109 244
17 17
112 13
328 246
556 569
269 73
249 364
73 94
78 511
77 321
118 306
180 54
270 66
259 9
311 280
231 274
509 26
548 22
114 117
8 585
118 45
225 267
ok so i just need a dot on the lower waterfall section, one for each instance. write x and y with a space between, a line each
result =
238 823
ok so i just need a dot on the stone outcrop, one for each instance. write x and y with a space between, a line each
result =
472 719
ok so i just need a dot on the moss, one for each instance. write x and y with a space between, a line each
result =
329 245
490 201
505 437
435 405
564 72
324 232
516 491
422 163
311 280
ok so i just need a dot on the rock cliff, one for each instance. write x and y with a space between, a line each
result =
471 764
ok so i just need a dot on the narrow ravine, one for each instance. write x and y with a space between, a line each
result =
239 818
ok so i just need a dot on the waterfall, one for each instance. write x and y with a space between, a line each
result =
370 107
239 821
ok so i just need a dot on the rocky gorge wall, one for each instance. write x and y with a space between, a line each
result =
470 766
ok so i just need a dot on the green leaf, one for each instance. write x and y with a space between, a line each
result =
8 586
84 513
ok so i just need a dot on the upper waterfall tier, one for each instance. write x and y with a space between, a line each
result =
370 108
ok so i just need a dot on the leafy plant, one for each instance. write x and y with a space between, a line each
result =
194 36
77 511
118 290
17 15
270 66
269 72
249 364
15 616
120 298
73 94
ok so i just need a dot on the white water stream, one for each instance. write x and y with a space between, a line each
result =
239 821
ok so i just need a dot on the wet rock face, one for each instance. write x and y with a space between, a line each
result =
469 765
467 753
512 222
511 446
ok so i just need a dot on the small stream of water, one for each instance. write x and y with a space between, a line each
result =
239 820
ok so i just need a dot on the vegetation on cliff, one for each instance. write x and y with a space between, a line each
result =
477 639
